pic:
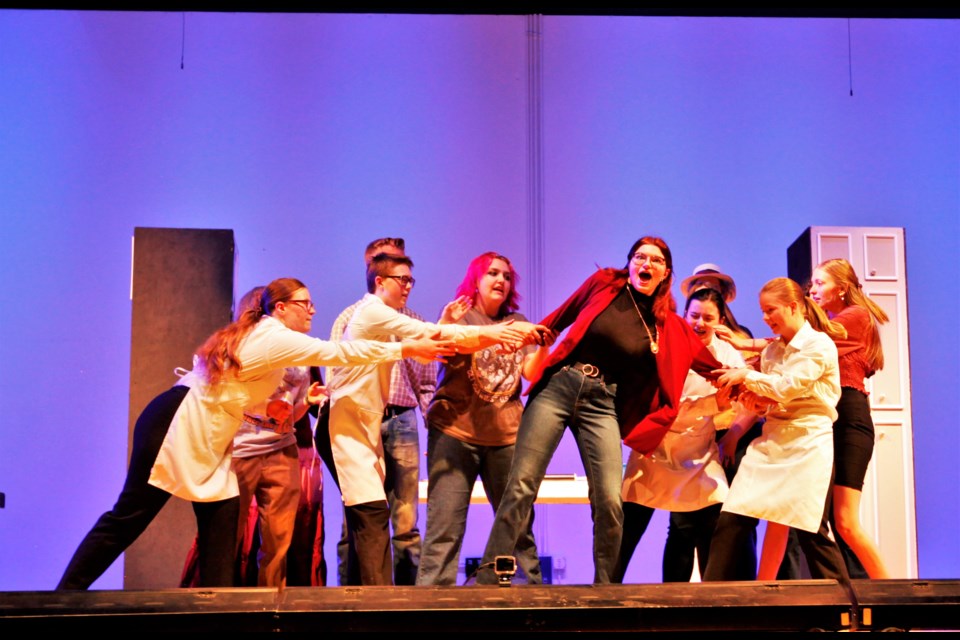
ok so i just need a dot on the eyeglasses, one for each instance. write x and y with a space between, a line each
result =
640 258
404 280
307 305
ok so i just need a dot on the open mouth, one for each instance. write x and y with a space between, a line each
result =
645 277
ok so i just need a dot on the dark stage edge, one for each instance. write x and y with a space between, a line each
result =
803 605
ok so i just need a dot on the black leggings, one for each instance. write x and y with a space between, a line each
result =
139 503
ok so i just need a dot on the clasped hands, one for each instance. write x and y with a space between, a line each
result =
516 334
729 383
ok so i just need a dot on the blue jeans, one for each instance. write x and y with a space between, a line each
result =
454 466
401 453
586 406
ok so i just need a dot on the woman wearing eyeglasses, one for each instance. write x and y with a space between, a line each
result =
473 421
618 373
182 440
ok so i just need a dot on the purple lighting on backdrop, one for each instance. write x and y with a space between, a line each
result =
309 135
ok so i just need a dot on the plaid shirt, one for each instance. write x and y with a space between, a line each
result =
411 383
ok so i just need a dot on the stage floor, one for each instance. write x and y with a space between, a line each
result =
806 605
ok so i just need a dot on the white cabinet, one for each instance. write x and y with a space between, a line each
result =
888 509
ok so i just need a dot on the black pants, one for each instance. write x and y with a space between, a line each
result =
689 531
139 503
636 519
368 531
793 560
822 554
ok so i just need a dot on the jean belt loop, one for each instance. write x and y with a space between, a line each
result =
393 410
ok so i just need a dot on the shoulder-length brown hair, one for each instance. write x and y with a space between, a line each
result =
218 355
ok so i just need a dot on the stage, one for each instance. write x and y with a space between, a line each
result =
811 605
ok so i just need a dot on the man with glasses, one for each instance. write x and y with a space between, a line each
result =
359 396
412 384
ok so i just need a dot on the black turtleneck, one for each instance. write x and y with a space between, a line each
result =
616 340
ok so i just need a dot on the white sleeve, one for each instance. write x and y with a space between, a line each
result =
287 348
794 379
380 319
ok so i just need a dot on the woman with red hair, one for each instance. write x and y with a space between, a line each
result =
472 423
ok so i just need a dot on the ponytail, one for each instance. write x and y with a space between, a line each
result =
819 320
218 355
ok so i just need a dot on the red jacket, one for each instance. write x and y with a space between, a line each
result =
641 427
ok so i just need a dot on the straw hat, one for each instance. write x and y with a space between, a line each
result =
709 275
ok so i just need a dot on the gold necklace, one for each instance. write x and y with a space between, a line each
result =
654 347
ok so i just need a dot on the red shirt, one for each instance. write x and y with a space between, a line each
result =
853 363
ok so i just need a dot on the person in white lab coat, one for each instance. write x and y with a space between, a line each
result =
182 441
786 475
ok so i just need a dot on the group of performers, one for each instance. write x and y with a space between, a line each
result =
716 441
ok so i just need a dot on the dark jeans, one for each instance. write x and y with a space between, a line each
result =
139 503
454 466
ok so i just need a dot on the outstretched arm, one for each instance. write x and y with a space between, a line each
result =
427 349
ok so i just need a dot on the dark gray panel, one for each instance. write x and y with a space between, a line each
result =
182 292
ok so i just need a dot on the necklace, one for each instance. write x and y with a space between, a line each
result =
654 347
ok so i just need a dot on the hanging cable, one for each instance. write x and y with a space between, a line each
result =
183 37
850 56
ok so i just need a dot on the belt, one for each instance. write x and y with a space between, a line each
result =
588 370
393 410
262 423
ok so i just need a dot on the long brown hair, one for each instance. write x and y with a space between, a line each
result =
786 291
852 294
663 302
218 354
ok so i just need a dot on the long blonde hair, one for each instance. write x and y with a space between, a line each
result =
218 354
851 292
786 291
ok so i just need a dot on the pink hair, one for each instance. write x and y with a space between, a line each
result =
477 269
